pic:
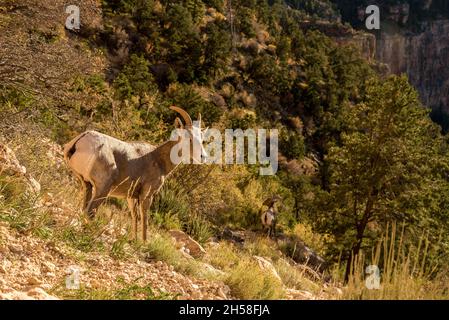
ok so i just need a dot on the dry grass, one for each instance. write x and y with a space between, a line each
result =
404 273
295 277
243 275
161 247
262 246
247 281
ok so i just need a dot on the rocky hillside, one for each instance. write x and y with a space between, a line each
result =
173 266
34 269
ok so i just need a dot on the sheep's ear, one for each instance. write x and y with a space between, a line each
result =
178 123
199 120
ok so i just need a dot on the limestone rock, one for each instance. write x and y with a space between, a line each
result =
293 294
15 248
32 294
266 265
195 249
11 166
234 236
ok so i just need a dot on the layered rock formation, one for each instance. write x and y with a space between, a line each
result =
423 56
413 39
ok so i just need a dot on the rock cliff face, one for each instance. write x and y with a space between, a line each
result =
423 56
414 39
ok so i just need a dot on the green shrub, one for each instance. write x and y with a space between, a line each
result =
223 257
295 278
171 210
244 22
119 246
198 227
243 275
246 121
263 247
86 237
20 99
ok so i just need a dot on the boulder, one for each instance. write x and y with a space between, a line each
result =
232 235
266 265
193 247
15 248
293 294
11 166
208 269
302 254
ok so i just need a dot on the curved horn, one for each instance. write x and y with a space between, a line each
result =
184 115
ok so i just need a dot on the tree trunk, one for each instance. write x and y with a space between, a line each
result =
361 226
352 255
296 209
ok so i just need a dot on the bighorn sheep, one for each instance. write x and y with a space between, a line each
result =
136 171
268 217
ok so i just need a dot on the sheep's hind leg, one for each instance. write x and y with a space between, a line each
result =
87 193
143 208
99 195
132 203
273 229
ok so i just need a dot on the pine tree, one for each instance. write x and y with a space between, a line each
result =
390 166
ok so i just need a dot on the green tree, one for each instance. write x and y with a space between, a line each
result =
389 167
188 98
135 79
244 18
183 43
217 4
119 5
217 48
292 145
196 8
271 75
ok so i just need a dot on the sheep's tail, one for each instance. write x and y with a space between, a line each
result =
70 148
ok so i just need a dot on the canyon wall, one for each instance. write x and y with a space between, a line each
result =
413 39
423 56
